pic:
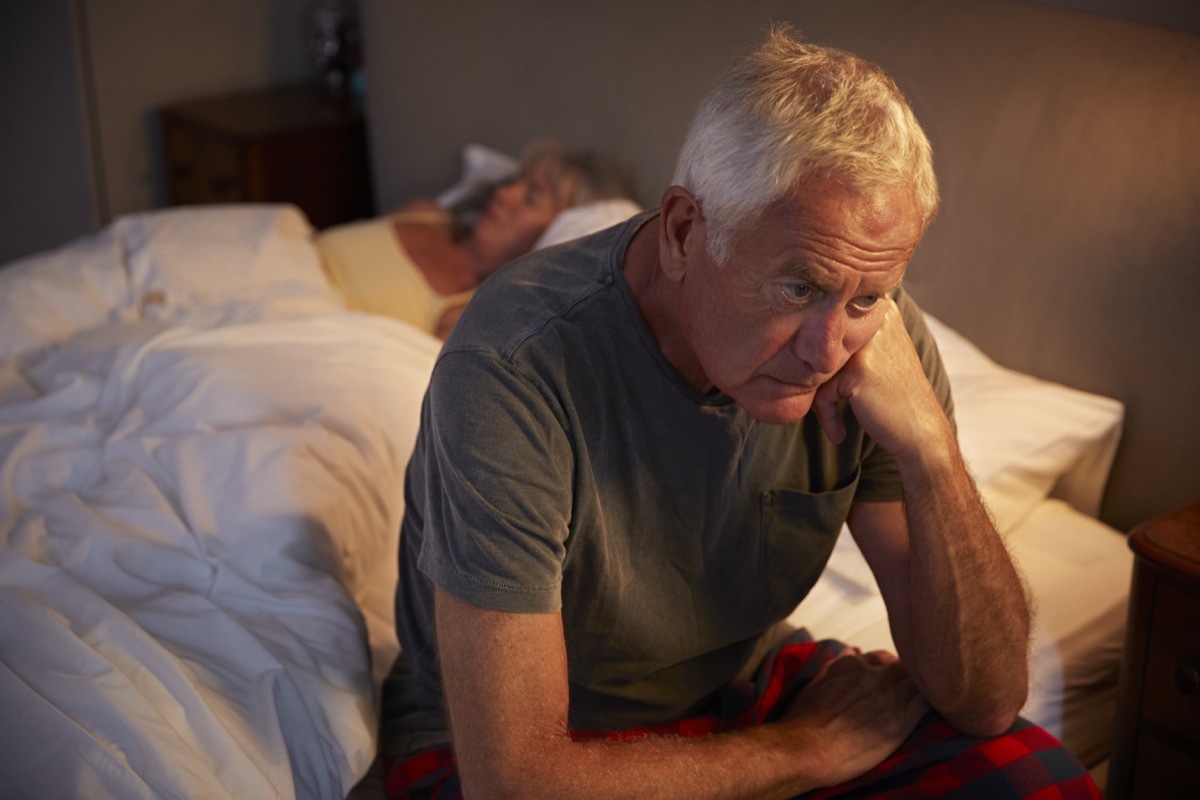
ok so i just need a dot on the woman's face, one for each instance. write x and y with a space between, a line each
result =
516 215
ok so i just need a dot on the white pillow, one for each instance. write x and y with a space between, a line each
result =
48 297
572 223
1025 438
223 263
482 167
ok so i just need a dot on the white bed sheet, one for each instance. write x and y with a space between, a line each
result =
1077 570
198 534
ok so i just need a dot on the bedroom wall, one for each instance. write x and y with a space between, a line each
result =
82 82
148 53
1065 142
46 195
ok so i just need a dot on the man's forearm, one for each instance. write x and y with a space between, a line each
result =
844 723
745 764
507 695
968 624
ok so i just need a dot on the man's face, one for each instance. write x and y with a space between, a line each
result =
802 291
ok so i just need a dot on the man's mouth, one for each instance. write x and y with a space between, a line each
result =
806 386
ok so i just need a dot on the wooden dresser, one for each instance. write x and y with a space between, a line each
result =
300 144
1156 748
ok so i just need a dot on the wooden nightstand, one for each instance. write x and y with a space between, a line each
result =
297 144
1156 747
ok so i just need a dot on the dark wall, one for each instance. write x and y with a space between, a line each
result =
46 186
80 89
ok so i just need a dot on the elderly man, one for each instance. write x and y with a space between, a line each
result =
636 453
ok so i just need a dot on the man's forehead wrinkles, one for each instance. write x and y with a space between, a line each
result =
819 262
828 279
837 242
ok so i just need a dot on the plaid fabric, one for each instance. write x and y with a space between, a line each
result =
935 761
430 774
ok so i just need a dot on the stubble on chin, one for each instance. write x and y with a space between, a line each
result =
778 407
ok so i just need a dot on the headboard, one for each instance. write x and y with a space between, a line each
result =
1066 144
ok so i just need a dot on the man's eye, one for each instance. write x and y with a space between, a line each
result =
867 301
796 291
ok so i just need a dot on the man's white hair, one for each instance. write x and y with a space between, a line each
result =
789 111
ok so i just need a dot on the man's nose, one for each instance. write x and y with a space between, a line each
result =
819 342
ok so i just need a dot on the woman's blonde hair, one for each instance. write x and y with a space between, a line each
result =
577 176
788 111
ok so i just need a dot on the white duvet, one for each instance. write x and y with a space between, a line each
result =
197 527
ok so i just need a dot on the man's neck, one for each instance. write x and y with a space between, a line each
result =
656 297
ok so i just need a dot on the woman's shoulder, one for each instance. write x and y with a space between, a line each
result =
425 231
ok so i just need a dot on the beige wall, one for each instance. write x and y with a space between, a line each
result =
1066 146
81 80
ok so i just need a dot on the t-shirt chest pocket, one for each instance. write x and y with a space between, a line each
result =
797 531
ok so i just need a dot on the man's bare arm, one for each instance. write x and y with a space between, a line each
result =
956 605
505 678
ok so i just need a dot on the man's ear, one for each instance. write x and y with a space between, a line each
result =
680 231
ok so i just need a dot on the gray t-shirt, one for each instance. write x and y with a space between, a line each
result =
563 463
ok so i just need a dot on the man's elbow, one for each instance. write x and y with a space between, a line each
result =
534 774
493 785
989 716
984 725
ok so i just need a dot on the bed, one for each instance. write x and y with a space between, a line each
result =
201 460
201 456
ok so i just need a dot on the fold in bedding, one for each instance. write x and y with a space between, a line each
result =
197 542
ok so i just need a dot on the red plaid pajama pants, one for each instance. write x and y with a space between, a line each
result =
935 761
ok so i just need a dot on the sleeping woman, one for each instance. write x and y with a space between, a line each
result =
420 264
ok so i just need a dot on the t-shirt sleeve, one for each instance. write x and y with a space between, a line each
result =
498 492
880 477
